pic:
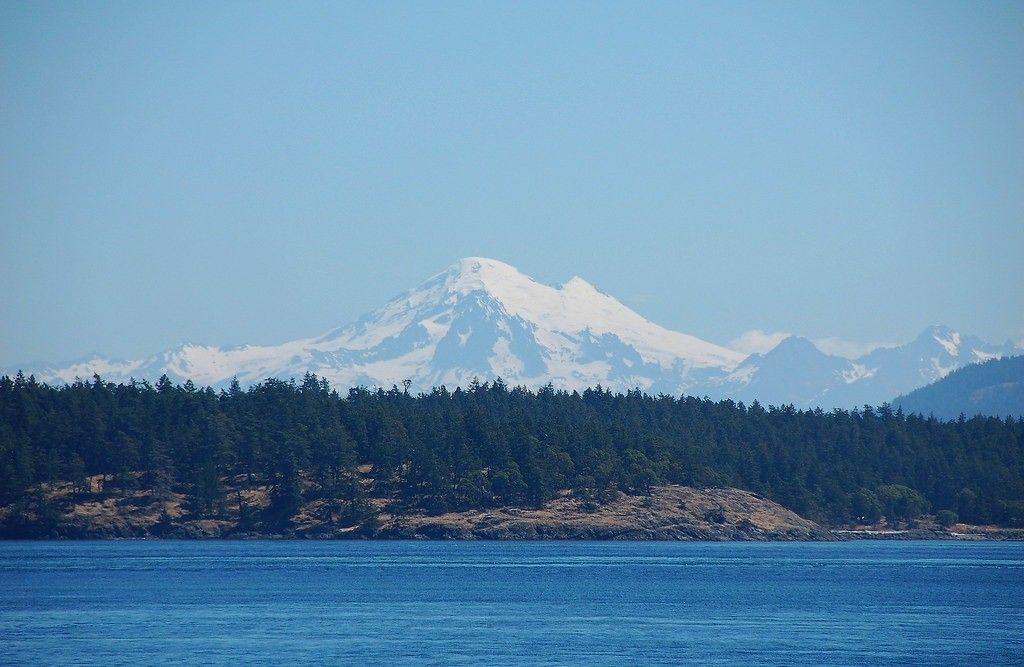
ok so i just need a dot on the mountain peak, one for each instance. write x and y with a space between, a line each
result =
478 265
481 273
941 335
795 345
512 287
561 320
578 284
936 331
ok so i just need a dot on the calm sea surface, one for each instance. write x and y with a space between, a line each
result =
415 603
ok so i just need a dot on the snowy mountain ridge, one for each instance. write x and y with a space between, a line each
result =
479 318
482 318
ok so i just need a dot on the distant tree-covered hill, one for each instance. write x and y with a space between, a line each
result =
493 445
994 388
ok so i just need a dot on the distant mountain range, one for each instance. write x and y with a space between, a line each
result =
797 372
994 388
482 318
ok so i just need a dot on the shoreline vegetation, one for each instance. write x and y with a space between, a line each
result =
297 459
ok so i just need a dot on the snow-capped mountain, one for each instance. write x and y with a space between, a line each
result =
479 318
482 318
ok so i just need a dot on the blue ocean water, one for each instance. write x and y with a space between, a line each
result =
168 602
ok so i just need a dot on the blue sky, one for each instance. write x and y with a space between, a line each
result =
250 173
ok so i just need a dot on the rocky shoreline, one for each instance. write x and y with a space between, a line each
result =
667 513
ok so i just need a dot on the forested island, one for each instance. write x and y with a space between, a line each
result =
298 458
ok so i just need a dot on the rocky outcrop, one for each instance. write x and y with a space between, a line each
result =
668 513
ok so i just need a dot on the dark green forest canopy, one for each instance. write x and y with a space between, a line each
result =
490 444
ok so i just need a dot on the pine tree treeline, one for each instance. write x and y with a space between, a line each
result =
490 444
